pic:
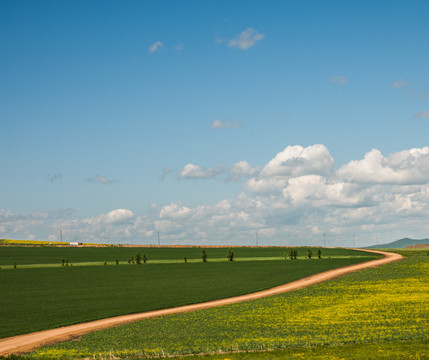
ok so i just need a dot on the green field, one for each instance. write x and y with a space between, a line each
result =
378 313
41 298
53 255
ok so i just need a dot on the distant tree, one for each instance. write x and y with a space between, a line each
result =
117 262
62 262
309 253
67 262
186 260
230 255
319 253
105 262
14 265
204 256
144 258
291 253
138 258
295 254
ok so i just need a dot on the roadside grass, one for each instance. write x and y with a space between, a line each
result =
373 313
21 255
43 298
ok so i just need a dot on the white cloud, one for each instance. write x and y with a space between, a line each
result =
424 114
241 169
118 216
219 124
101 180
406 167
297 160
155 47
191 171
246 39
399 83
338 79
296 198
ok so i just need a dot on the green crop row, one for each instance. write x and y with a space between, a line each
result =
378 305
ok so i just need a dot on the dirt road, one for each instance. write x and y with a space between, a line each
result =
28 342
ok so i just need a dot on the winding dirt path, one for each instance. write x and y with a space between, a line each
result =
28 342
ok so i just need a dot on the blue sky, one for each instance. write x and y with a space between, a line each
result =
122 119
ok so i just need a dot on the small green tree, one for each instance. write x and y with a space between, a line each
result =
319 253
204 256
67 262
291 252
117 262
295 254
144 258
230 255
62 262
138 258
309 253
186 260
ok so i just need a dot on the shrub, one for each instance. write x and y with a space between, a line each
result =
230 255
204 256
319 253
144 258
62 262
309 253
186 260
138 258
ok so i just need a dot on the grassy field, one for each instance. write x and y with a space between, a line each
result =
53 255
42 298
372 314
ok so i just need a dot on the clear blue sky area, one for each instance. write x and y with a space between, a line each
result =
209 121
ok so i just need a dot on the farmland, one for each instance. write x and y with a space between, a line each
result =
37 298
373 313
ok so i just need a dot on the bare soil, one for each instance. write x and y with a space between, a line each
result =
25 343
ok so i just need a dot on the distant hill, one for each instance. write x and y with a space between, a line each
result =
399 244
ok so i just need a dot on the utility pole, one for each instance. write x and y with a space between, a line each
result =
256 239
324 240
158 239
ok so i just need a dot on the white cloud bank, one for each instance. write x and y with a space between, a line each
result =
296 197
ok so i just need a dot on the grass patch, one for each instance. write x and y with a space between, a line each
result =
376 309
42 298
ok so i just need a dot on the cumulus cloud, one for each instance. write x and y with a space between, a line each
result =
241 169
155 47
118 216
101 180
424 114
191 171
406 167
246 39
338 79
297 160
293 200
219 124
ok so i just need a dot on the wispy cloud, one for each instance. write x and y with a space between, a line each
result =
101 180
219 124
191 171
155 47
53 177
179 47
399 83
424 114
165 172
246 39
338 79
